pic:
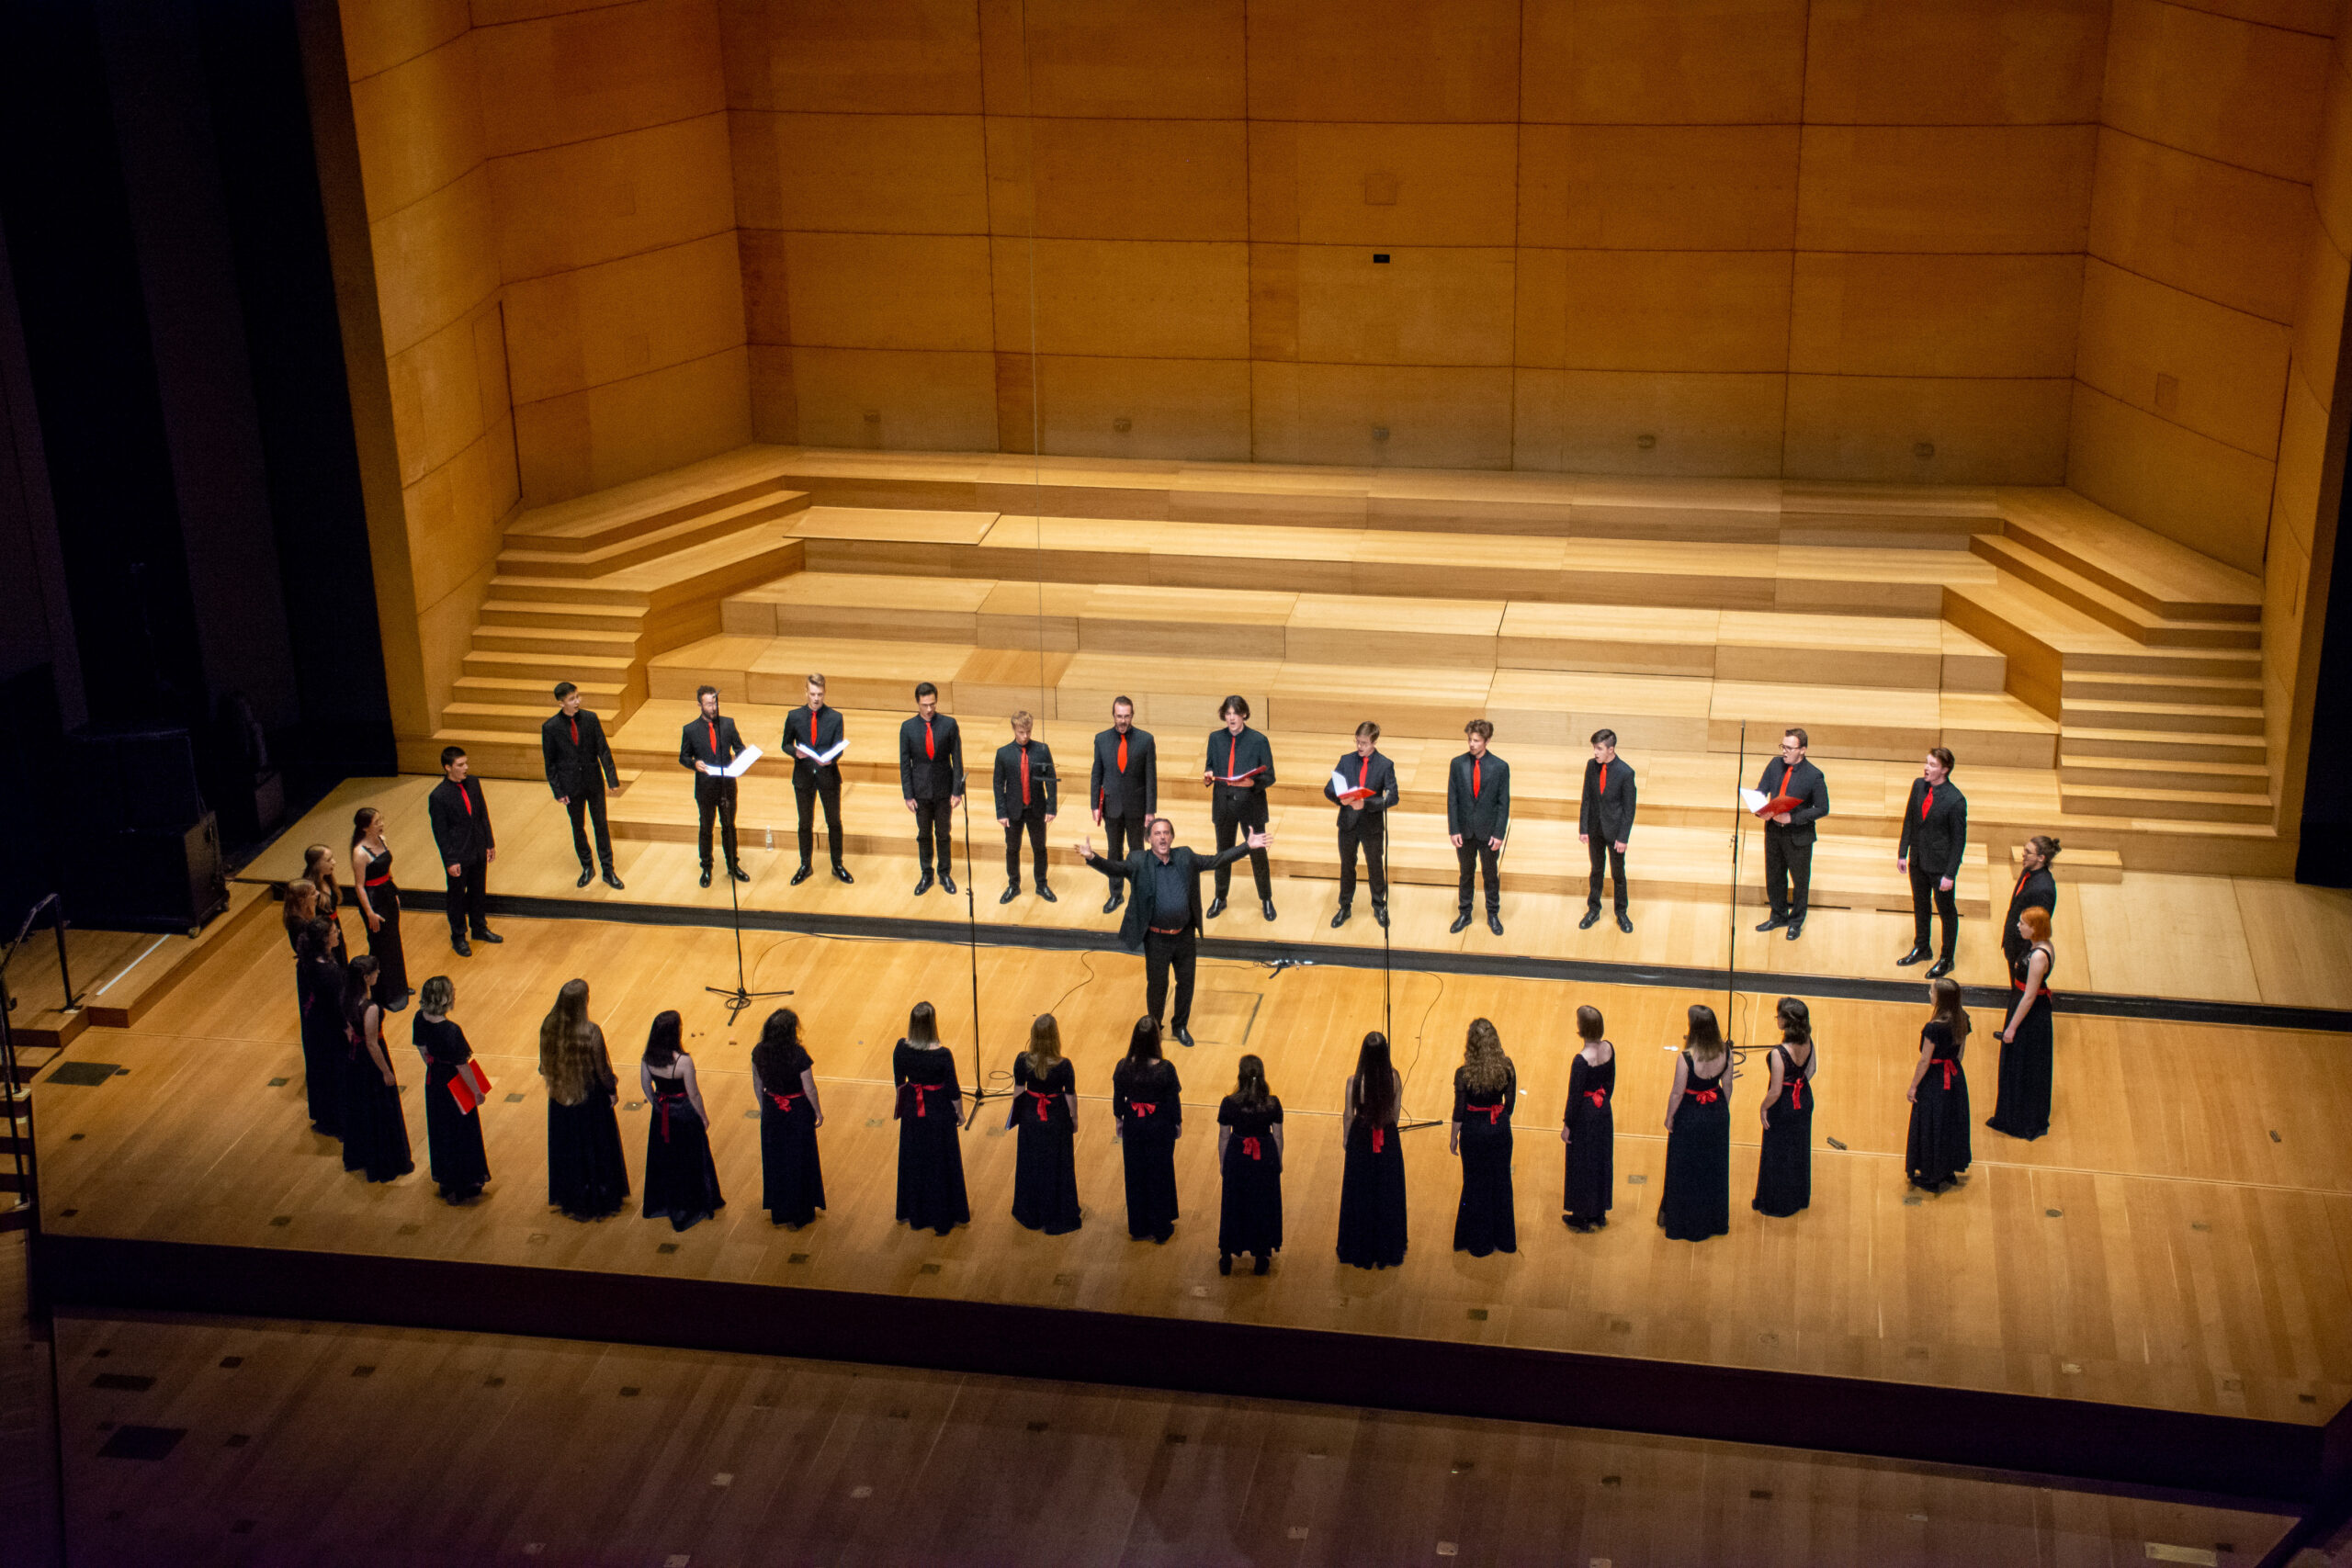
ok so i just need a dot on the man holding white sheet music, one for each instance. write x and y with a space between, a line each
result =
710 746
1364 786
1240 767
813 739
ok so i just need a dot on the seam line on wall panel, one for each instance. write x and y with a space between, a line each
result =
1400 245
2304 185
719 113
2244 21
489 158
1796 227
1431 124
627 256
2188 429
2191 293
633 376
474 309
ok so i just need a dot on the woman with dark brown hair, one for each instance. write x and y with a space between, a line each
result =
587 1173
792 1182
1696 1201
681 1178
452 1131
1372 1184
375 1130
1784 1163
319 977
1148 1115
1589 1126
1249 1155
1486 1092
1045 1111
378 897
1936 1151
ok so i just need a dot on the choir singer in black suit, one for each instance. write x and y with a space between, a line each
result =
1124 787
1934 843
1789 835
460 816
580 764
1478 815
930 779
819 729
1027 796
1364 822
2036 889
1605 821
1234 751
1163 918
707 745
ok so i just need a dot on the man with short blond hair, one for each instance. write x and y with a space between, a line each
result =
1027 797
812 733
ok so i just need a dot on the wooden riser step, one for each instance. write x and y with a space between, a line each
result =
558 642
594 673
2140 623
525 556
561 593
2164 717
2128 560
2102 868
661 499
2195 691
514 718
2170 805
537 531
2169 663
587 619
2139 773
2086 741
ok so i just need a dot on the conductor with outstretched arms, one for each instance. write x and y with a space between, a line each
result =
1934 843
813 736
930 780
1371 780
1605 823
1124 787
460 816
1026 797
1789 835
580 765
1240 769
1163 918
707 744
1478 818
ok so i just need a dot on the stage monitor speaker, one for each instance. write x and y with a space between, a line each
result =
151 880
135 776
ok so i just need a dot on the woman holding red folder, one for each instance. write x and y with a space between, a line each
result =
452 1129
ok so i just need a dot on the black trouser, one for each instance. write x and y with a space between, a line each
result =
826 781
1788 871
934 825
591 804
1125 833
1034 819
469 898
1231 818
1370 829
1160 951
1606 853
1947 908
1473 854
715 797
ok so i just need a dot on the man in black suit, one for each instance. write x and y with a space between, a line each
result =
1478 815
1027 794
1789 835
1605 821
930 779
810 733
460 816
2036 889
1124 787
1365 821
1163 918
1934 844
1238 751
580 764
707 745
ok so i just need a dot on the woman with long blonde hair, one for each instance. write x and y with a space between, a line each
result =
1486 1092
587 1175
931 1111
1045 1111
318 871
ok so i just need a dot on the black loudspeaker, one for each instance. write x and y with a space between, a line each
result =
151 880
136 776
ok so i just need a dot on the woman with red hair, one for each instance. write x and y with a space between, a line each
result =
2022 1108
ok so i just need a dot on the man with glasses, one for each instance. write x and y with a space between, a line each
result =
1789 835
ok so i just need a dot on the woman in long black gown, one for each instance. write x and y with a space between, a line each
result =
1149 1117
1696 1203
1250 1153
587 1173
931 1112
680 1179
1486 1092
1044 1113
378 897
452 1133
1938 1149
792 1182
1589 1126
2021 1106
1784 1166
319 976
375 1130
317 870
1372 1184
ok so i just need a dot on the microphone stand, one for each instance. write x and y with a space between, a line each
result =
1731 899
739 997
972 940
1404 1122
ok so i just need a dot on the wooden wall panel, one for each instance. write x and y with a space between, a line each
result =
600 72
1111 59
1651 187
2320 16
1675 310
1634 63
864 173
439 407
1119 179
1595 422
455 514
2188 486
2219 88
420 125
1934 315
618 431
2216 371
1954 61
934 401
571 331
613 197
1384 59
1382 184
379 34
2226 234
1113 297
906 291
1437 418
852 56
1172 407
1434 306
1955 188
1927 430
435 260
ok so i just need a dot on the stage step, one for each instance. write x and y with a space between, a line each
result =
2179 805
2102 868
610 673
2195 691
490 716
2102 604
562 641
2203 773
617 620
562 596
2212 720
643 506
525 555
2136 563
2085 740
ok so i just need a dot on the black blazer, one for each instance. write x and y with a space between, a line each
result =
577 770
1254 751
829 734
1137 923
1937 844
1488 815
1808 787
1610 815
695 744
2035 890
460 836
1381 779
929 778
1041 777
1135 792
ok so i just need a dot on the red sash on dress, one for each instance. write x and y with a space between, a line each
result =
1249 1147
1494 1113
1796 1094
921 1091
1379 1139
784 1101
1704 1096
1045 1099
1600 1097
1949 1067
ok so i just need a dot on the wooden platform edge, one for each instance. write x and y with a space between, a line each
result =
124 1012
2217 1459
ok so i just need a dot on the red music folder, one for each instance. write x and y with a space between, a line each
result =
1755 801
470 1087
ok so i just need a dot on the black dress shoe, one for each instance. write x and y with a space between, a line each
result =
800 876
1269 908
1625 924
1264 1264
1591 917
1225 1263
1939 968
1461 923
490 937
587 875
705 876
946 883
1796 929
1341 918
1217 907
1009 893
1380 913
739 874
1047 894
841 873
1495 923
1775 923
1184 1036
615 883
1112 903
461 948
1917 955
923 886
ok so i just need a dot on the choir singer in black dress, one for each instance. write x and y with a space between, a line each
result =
1589 1126
1784 1165
2021 1104
1044 1116
459 813
931 781
1027 796
318 980
812 735
1163 918
580 769
587 1173
1605 823
1486 1092
2036 889
681 1178
1250 1156
1371 1182
1240 770
1696 1201
1931 850
375 1129
1478 817
1148 1117
1363 820
707 744
378 897
930 1112
1124 786
1937 1153
1789 835
792 1182
452 1131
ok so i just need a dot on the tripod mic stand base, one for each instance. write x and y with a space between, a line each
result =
738 999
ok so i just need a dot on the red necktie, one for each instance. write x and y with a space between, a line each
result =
575 732
1363 767
1475 779
1123 753
1927 801
1233 757
1025 775
930 746
712 726
2020 888
468 796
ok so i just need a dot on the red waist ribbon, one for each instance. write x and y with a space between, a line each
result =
1600 1097
1249 1147
1379 1139
784 1101
1705 1097
1796 1094
1494 1113
1045 1099
1949 1067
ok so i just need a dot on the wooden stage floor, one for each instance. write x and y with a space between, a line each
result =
2182 1240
